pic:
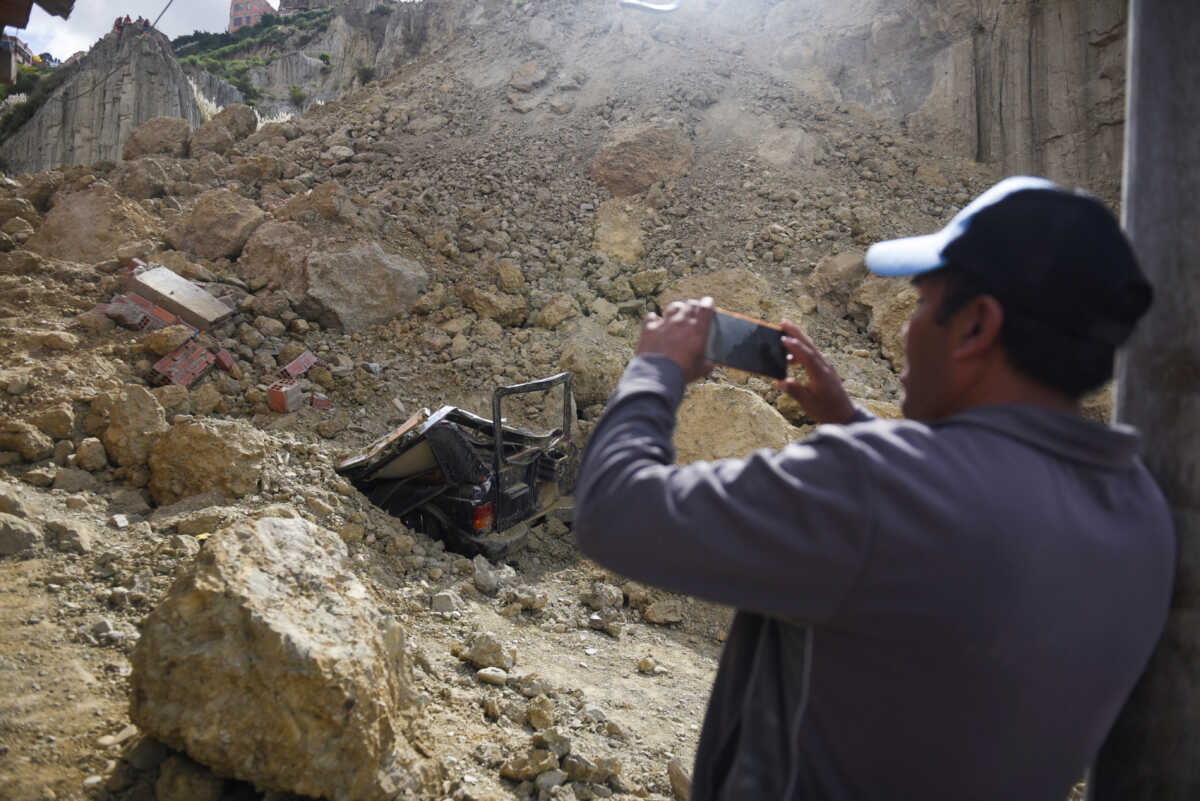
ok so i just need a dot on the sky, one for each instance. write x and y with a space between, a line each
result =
91 19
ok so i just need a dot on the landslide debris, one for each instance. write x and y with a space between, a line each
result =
425 238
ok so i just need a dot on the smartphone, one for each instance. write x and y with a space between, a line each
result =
746 344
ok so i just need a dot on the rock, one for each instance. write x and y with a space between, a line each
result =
492 675
557 310
552 740
164 340
58 340
72 481
14 207
504 308
211 137
532 685
485 650
736 290
11 502
539 713
90 226
40 476
145 177
221 456
663 612
33 445
526 598
603 595
489 578
363 286
834 281
181 779
173 398
268 662
595 359
527 76
206 398
647 282
445 601
636 158
239 118
529 766
218 225
716 421
647 665
548 780
327 201
70 536
681 782
277 255
166 136
887 304
17 535
135 421
62 452
508 276
57 422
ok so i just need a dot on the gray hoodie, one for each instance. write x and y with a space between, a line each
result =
948 611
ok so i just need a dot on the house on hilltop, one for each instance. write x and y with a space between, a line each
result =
247 12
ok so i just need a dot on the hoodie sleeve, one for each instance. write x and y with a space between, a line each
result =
778 532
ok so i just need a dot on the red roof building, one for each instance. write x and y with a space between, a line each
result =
247 12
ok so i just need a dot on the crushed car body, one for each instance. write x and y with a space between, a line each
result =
475 483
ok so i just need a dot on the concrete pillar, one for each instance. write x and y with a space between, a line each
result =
1153 753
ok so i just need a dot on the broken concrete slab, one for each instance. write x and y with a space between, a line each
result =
176 294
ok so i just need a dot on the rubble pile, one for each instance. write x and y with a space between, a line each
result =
197 334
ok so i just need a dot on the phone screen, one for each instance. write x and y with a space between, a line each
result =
747 344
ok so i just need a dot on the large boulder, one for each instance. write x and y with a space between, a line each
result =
91 226
26 440
217 226
360 287
737 290
17 535
834 281
135 421
504 308
595 359
212 137
884 306
636 158
221 456
165 136
239 118
270 662
327 201
718 421
277 254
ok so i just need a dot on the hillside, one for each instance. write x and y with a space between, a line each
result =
504 201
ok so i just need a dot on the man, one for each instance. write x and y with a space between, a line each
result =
953 606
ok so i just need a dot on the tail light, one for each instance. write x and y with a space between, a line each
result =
481 516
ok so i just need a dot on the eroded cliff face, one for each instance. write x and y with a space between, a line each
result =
123 81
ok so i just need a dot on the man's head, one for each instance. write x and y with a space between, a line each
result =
1028 277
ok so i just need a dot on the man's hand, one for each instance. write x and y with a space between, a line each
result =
680 335
823 398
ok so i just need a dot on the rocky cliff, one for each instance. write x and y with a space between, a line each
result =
123 81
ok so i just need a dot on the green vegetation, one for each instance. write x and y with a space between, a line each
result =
227 55
365 74
297 96
37 84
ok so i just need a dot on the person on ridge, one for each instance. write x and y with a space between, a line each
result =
951 606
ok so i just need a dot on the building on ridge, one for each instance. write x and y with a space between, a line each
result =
243 13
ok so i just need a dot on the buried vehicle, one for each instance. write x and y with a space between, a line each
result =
474 483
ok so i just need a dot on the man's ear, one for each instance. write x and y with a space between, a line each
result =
977 327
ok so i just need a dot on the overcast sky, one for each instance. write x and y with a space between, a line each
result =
91 19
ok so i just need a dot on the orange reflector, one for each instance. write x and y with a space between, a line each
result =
481 517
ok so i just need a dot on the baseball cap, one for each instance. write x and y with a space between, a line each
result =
1050 255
